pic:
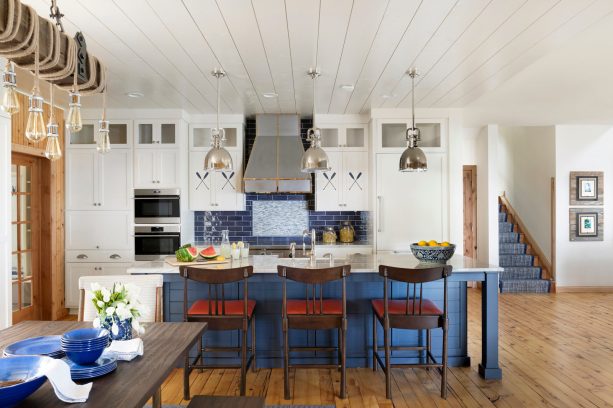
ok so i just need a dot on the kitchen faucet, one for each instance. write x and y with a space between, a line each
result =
306 233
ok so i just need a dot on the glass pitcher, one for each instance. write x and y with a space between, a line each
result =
225 244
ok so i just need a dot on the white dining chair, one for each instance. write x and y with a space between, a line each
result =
150 294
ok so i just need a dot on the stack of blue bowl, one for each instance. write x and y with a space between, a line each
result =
84 346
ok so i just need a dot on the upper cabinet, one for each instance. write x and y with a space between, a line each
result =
391 135
156 133
345 186
120 134
344 137
156 168
200 136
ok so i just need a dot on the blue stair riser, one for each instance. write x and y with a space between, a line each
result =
505 227
512 249
502 217
521 272
508 237
524 286
516 260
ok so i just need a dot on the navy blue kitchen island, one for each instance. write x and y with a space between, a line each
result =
363 285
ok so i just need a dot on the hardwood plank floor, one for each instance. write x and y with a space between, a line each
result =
556 350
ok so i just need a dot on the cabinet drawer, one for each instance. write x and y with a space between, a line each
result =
88 256
76 270
341 252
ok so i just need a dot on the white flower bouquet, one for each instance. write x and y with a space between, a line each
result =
118 309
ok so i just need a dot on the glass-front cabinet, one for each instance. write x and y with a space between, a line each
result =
120 133
344 137
200 136
156 133
392 134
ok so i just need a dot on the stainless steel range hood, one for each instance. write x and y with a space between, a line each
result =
274 163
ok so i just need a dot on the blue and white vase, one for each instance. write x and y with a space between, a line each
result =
124 328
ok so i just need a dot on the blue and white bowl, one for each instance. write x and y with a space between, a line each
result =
433 254
20 368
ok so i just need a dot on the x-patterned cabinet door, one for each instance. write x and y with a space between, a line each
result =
355 181
328 185
227 186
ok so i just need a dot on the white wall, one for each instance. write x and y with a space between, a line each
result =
583 148
525 165
5 221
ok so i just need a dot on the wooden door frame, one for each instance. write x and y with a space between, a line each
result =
472 168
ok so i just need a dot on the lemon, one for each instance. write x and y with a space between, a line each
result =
220 258
445 244
422 243
433 243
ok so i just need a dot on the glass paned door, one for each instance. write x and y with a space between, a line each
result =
25 220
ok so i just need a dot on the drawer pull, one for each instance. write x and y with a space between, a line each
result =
82 256
115 256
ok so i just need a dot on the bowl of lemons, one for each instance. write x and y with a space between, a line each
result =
433 251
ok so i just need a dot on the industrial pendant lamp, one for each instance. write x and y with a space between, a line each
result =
413 158
53 151
314 158
35 127
74 122
103 143
10 102
218 158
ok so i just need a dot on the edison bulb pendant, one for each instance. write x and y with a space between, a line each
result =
53 151
10 102
74 122
35 127
103 143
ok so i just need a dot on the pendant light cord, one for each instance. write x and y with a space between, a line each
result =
314 77
36 49
218 100
75 83
413 97
106 87
52 114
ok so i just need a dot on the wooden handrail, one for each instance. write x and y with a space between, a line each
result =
544 262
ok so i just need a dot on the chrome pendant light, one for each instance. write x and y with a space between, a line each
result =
74 122
35 127
53 151
10 102
413 158
103 143
314 158
218 158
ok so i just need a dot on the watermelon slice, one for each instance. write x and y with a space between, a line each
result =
208 253
187 253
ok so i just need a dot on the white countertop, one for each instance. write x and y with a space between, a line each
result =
359 264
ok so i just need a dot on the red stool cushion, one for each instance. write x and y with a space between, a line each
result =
400 307
330 306
232 307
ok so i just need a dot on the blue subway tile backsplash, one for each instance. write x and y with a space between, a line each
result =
209 224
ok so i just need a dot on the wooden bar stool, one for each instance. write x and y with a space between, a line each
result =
414 313
220 314
314 313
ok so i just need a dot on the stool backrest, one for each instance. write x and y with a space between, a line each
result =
216 280
414 316
150 294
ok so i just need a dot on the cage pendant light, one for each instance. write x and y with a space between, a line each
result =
35 127
10 102
103 141
53 151
413 158
218 158
314 159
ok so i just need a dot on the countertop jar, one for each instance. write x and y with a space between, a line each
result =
346 232
329 235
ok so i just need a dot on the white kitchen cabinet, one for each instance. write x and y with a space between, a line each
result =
347 137
200 136
345 186
156 133
98 181
156 168
215 191
120 134
391 135
410 206
76 270
100 230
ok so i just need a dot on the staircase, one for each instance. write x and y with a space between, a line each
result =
522 273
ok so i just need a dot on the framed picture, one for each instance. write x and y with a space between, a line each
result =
586 188
586 224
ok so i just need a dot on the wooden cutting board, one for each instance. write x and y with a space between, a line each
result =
171 260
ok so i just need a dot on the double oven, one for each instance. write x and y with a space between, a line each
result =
157 223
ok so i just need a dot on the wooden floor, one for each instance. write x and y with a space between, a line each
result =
556 350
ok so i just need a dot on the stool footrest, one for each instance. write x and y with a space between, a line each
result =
314 365
313 349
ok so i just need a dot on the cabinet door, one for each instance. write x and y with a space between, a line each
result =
226 187
100 230
328 185
145 134
200 198
71 288
168 132
355 181
410 206
114 179
81 179
145 174
167 168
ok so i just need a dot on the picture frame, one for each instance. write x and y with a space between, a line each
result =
586 224
586 188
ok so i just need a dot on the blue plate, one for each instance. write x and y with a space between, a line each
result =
43 346
102 366
25 368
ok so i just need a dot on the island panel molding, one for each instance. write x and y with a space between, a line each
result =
586 188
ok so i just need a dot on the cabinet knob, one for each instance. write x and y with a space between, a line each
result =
97 247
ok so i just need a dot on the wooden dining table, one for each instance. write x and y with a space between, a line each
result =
133 382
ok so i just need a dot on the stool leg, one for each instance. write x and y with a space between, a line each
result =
244 359
342 345
444 372
285 363
253 367
186 377
428 347
339 350
374 342
388 368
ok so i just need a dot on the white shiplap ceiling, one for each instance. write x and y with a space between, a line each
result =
166 49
